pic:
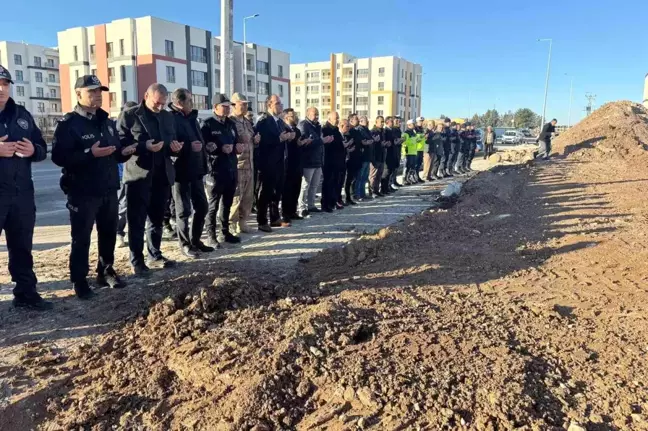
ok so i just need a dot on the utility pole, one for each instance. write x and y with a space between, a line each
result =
227 57
591 98
544 106
571 98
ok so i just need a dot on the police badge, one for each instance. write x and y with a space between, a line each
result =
23 123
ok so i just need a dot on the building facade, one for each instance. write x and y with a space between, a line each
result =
130 54
37 87
374 86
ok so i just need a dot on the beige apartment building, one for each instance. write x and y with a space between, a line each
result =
367 86
130 54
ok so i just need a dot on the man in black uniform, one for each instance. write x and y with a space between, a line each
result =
190 168
87 147
21 143
392 160
148 175
334 160
270 162
548 131
220 135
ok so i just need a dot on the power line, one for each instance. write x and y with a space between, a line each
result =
591 98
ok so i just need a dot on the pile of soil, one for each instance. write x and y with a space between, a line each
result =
617 129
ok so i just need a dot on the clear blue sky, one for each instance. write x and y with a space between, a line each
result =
484 48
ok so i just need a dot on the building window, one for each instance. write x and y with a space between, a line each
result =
297 102
250 86
19 75
199 102
281 94
122 72
262 67
337 106
218 78
50 62
170 74
109 50
76 53
362 101
362 73
40 92
263 87
39 77
381 72
380 113
198 79
54 107
297 90
362 87
76 74
337 80
18 59
198 54
37 61
280 74
92 52
261 106
124 96
381 86
93 72
313 89
112 97
40 106
169 51
337 93
111 74
381 100
21 103
297 75
20 90
248 64
51 78
217 54
53 93
121 46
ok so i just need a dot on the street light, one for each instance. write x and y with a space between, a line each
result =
544 106
244 83
571 98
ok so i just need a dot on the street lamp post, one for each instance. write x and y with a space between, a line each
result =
544 106
244 82
571 98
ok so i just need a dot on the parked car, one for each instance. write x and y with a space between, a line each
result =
529 138
513 137
480 140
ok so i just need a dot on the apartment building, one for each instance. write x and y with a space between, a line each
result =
130 54
37 87
368 86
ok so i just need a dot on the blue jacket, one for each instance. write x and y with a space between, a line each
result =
313 153
15 172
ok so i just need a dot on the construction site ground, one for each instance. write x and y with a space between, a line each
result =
522 306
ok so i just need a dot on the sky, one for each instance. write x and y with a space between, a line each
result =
476 55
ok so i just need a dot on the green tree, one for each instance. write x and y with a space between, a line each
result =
476 121
507 120
491 118
526 118
443 117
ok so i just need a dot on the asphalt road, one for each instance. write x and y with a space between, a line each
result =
50 200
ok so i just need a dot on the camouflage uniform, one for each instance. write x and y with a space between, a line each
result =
244 195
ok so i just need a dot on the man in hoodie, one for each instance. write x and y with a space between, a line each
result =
190 167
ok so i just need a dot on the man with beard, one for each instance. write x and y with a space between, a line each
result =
220 137
294 170
378 156
312 161
334 160
272 146
148 175
244 193
190 167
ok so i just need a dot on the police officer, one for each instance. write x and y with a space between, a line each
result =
190 168
410 151
220 135
148 175
87 147
21 143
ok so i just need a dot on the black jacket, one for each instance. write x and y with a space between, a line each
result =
82 173
271 150
367 150
190 165
313 153
545 134
355 156
224 167
15 172
294 151
394 151
378 152
454 137
334 152
137 125
435 143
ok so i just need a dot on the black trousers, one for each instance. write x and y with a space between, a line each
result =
17 220
277 194
447 149
291 190
85 211
121 212
389 175
437 161
329 187
352 171
471 153
488 150
146 200
419 162
455 149
190 194
170 210
339 184
268 181
219 189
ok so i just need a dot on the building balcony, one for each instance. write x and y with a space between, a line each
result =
43 68
54 83
45 98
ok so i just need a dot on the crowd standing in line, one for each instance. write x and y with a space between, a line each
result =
158 161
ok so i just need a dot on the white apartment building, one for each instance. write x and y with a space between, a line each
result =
130 54
368 86
35 72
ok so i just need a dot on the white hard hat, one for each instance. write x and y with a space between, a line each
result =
420 119
410 121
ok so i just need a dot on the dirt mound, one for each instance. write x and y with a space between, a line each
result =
617 129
